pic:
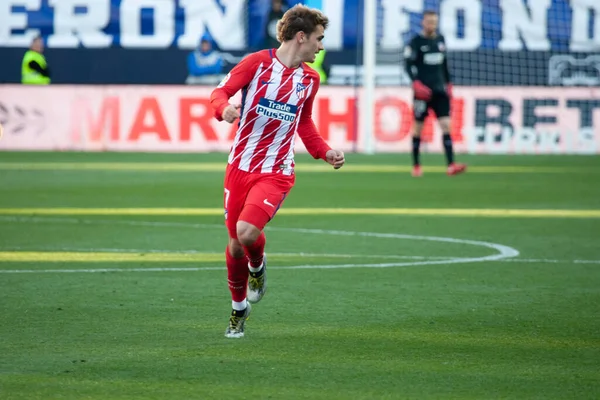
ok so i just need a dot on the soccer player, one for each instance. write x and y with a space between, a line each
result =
427 66
278 90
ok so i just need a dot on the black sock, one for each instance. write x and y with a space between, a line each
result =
448 148
257 274
415 150
238 313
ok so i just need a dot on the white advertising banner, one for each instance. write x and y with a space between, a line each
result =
500 120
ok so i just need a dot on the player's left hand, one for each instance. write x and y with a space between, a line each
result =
335 158
449 90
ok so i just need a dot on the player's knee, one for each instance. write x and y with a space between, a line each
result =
235 248
418 129
247 233
445 124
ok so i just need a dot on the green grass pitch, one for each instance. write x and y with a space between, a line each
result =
381 286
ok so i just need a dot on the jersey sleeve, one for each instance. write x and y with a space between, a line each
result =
314 143
38 68
411 52
446 69
239 77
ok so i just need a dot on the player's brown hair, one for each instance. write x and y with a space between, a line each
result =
300 18
429 12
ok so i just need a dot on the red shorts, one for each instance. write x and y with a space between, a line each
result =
257 196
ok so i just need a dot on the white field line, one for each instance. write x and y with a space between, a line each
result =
502 252
298 255
497 247
506 254
551 261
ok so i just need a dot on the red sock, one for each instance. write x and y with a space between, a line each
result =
237 276
255 251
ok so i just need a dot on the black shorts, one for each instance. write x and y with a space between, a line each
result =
439 103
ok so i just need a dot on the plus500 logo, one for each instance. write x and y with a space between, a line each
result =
277 110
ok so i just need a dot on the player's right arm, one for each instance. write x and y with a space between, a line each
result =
411 52
411 55
239 77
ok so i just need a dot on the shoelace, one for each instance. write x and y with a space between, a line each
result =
255 283
235 322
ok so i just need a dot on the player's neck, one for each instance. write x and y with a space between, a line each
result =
429 35
288 56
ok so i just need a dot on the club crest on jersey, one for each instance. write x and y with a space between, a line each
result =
442 46
300 88
276 110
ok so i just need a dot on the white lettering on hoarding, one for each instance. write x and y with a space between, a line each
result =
396 21
471 9
163 22
13 20
226 27
518 23
73 28
583 12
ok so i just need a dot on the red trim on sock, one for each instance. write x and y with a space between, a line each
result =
237 276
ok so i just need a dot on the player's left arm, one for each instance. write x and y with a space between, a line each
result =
314 143
447 71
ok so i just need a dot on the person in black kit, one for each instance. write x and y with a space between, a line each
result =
427 66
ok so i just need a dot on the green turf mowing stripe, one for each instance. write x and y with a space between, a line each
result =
104 256
459 212
151 256
64 256
115 166
220 167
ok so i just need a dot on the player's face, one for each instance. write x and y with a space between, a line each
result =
313 44
430 24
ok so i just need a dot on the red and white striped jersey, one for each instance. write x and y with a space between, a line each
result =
276 103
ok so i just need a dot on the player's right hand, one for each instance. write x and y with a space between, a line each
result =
422 92
231 113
